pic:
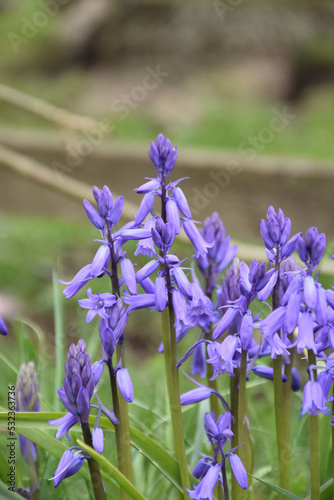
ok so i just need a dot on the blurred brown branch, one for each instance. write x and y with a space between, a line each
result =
46 110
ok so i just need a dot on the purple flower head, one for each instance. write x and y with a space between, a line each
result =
97 304
199 361
219 255
313 399
93 215
3 328
26 399
200 309
163 155
266 372
124 381
275 234
79 382
112 327
98 439
204 490
218 431
163 234
65 424
79 280
27 388
69 464
145 246
201 246
222 356
238 470
312 249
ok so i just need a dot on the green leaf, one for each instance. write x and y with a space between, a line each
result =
326 491
162 459
6 494
105 465
279 490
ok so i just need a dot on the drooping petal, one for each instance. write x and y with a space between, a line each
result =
160 293
124 383
144 208
224 323
98 439
310 292
239 470
93 215
181 202
129 275
65 423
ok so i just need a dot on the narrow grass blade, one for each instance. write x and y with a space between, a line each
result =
279 490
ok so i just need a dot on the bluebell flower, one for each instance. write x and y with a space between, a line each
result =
312 249
26 400
201 246
163 155
124 381
219 255
238 470
111 328
204 490
314 399
275 234
199 362
69 464
222 356
3 328
79 385
266 372
97 304
98 439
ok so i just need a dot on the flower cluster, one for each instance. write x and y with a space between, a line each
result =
79 386
209 469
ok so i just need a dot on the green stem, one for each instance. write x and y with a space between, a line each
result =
314 458
283 447
122 429
234 385
123 405
287 394
175 403
225 484
242 421
93 466
118 427
314 443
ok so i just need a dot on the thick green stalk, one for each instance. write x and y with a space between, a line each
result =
93 466
123 405
122 429
243 435
287 394
314 443
283 447
119 426
175 403
225 484
283 444
314 458
234 386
